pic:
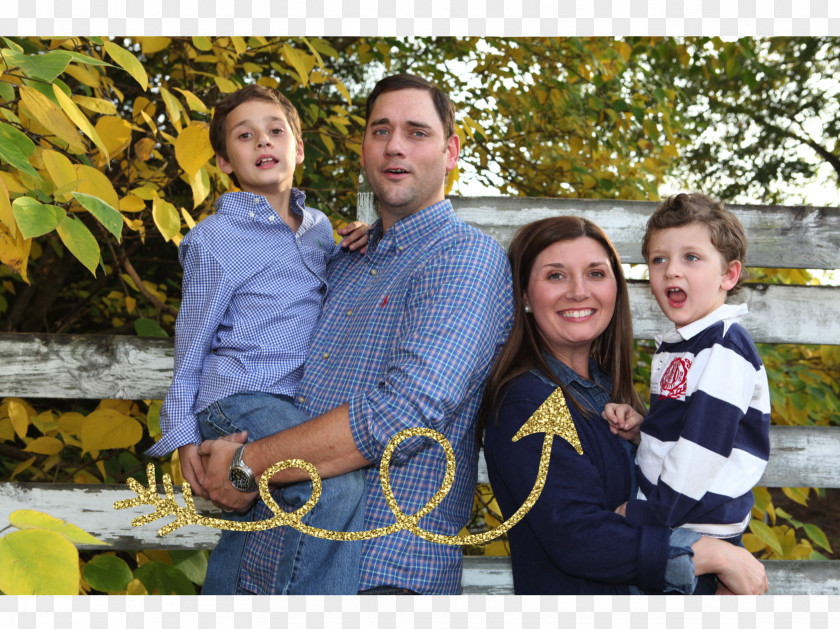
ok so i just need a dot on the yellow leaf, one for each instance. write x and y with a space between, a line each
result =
38 562
151 45
130 304
51 117
29 519
107 429
192 148
797 494
13 183
239 44
96 105
136 587
18 413
61 172
193 101
7 215
328 142
141 105
94 182
202 43
115 133
147 193
14 251
45 445
144 147
128 62
45 422
7 432
71 423
83 75
131 203
624 50
226 86
200 185
173 108
300 61
166 218
22 467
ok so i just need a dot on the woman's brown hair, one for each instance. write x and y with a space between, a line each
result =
612 349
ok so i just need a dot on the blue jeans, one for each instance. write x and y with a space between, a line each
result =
311 565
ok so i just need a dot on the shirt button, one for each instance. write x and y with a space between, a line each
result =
350 313
256 200
373 271
301 399
400 248
251 214
325 355
271 219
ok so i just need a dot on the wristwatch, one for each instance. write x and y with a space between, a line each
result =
240 475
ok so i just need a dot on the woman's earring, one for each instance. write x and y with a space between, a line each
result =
527 308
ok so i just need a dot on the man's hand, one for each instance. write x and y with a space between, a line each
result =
191 467
355 236
217 455
624 421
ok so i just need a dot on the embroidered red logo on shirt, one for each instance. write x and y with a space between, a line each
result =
673 382
384 301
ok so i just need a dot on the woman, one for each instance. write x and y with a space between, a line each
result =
572 329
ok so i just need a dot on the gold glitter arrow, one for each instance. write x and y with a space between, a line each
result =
552 418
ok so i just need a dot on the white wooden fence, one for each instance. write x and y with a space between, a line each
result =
122 367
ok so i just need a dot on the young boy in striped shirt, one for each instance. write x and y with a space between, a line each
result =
705 440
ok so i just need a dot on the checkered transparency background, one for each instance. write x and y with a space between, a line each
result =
509 18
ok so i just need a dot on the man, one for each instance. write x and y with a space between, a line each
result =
406 339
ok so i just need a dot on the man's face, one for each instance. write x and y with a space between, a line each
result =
405 154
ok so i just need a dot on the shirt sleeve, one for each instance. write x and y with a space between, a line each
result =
572 520
719 453
206 294
456 315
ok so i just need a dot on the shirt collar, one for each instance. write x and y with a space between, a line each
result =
241 203
416 228
727 312
567 375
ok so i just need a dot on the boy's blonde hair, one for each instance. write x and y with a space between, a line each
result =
725 230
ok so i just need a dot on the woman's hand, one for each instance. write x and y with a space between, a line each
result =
735 567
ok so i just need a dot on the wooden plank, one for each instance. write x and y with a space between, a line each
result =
85 367
492 575
798 237
800 456
130 367
778 314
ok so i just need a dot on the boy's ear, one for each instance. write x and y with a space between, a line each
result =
731 275
298 152
223 164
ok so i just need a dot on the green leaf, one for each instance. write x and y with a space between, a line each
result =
160 578
148 327
45 66
35 561
7 92
817 536
107 215
87 59
192 563
15 149
29 519
107 573
80 242
36 219
766 535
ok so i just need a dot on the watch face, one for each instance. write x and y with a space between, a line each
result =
239 479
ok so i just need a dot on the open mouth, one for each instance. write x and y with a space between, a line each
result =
266 160
676 296
396 171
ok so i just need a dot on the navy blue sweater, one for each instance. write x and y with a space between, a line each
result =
571 542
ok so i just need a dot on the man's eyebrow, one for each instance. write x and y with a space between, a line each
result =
410 123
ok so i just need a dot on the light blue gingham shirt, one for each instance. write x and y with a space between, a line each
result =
407 338
252 295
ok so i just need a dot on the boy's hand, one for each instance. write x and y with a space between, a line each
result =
622 509
624 421
191 468
355 236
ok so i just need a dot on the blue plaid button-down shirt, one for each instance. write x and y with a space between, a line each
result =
407 337
252 294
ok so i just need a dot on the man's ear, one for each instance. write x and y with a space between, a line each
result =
453 149
731 275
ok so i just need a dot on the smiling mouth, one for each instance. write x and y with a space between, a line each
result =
577 314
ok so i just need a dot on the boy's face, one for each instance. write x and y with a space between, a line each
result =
405 154
261 147
688 276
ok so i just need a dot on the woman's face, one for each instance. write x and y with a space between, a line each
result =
571 292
